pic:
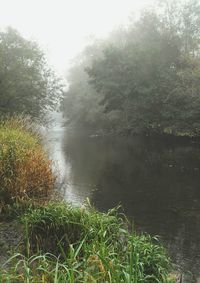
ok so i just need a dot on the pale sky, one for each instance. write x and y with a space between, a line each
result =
62 27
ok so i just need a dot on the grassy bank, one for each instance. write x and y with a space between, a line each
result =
59 243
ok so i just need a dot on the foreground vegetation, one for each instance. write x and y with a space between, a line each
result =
25 171
66 244
58 242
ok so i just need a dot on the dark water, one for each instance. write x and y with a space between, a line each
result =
157 182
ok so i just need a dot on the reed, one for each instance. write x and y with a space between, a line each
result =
25 171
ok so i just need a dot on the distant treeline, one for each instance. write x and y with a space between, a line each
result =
144 78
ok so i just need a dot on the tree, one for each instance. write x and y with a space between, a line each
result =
152 80
81 105
146 79
27 84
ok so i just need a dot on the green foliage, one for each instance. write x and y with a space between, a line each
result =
54 228
27 84
89 247
146 77
25 171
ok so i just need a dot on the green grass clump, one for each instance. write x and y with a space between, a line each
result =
86 246
25 171
55 227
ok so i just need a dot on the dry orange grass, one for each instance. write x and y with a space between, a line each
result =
25 171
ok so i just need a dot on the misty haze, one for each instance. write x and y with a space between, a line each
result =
100 141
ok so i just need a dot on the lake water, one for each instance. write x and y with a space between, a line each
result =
157 182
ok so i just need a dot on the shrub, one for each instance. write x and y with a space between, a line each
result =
25 171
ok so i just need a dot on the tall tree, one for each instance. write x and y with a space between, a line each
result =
27 84
147 77
152 78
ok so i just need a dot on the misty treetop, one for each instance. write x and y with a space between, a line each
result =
27 84
144 78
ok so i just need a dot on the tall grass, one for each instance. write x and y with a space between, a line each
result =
86 246
25 171
55 227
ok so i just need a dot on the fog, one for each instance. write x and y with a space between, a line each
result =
63 27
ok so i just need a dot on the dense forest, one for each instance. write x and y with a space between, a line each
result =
143 78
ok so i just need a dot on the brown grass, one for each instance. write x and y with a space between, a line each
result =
25 171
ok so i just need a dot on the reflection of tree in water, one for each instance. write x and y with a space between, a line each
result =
157 182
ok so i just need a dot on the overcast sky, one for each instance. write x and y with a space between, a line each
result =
62 27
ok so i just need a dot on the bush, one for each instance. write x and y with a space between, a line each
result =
25 171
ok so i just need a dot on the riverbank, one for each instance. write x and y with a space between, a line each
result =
61 243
